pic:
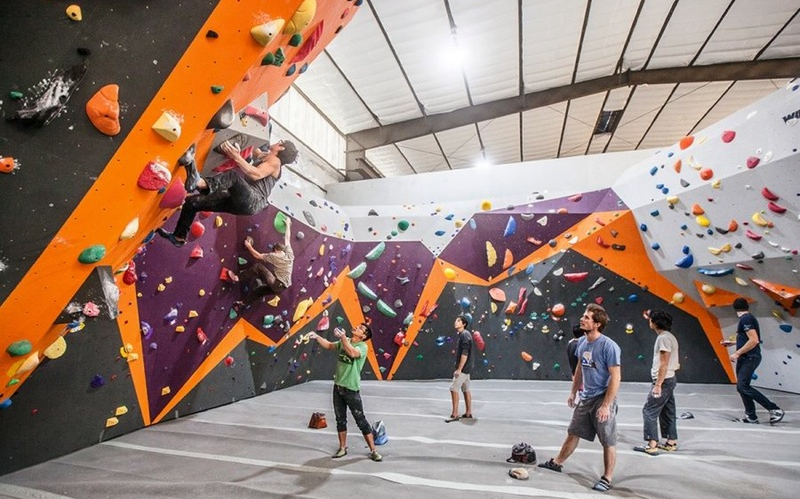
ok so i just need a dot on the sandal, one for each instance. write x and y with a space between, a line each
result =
451 419
466 416
652 451
552 465
668 447
602 485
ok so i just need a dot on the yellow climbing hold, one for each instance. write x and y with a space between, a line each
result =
202 292
121 410
74 12
449 274
708 289
301 18
165 391
321 249
168 126
702 221
218 222
161 287
740 281
486 205
264 33
678 297
302 308
274 302
673 200
180 329
56 349
491 254
130 230
493 307
716 184
192 314
111 422
759 220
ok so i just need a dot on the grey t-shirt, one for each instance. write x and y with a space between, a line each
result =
666 342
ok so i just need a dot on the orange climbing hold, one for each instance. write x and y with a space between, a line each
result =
103 110
697 209
7 164
686 142
526 356
497 294
508 259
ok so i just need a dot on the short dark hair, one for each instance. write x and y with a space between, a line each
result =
661 319
289 152
367 331
577 331
740 304
464 320
278 247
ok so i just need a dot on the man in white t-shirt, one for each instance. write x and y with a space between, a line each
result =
660 405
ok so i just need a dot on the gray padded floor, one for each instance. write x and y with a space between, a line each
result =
262 448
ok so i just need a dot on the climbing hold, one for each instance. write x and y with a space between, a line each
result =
301 18
733 226
491 254
508 259
558 310
775 208
173 197
497 294
357 271
90 309
728 136
702 221
511 227
759 220
376 252
655 246
92 254
366 291
301 309
19 348
103 110
526 356
56 349
197 252
685 262
697 209
486 205
28 364
197 229
74 12
706 173
280 222
769 195
296 40
752 235
168 126
716 272
264 33
212 34
155 176
449 274
385 309
678 297
403 225
97 381
576 276
752 162
708 289
8 164
686 142
223 118
786 328
130 230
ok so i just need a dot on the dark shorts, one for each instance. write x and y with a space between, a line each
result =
584 422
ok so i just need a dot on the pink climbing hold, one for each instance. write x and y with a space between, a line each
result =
154 177
575 198
497 294
728 136
129 276
752 162
768 194
775 208
752 235
197 252
399 338
197 229
91 309
229 361
173 197
478 340
259 115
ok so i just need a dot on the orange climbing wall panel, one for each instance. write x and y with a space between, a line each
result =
114 200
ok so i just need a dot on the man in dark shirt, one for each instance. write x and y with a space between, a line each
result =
464 362
747 357
572 347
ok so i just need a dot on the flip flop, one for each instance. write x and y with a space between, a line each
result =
451 419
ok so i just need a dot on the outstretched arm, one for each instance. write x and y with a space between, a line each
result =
327 345
265 169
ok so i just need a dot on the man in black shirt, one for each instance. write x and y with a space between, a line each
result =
464 362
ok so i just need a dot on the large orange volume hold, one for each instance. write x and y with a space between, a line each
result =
103 110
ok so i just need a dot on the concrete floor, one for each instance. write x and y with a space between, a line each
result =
262 448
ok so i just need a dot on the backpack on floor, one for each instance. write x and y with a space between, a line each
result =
522 453
379 433
318 421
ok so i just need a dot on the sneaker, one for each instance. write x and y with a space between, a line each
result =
340 453
170 237
375 456
746 419
551 465
668 447
192 175
653 451
775 416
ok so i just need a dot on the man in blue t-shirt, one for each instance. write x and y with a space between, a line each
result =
596 381
464 363
747 357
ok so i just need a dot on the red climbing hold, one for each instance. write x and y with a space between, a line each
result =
768 194
576 276
197 252
728 136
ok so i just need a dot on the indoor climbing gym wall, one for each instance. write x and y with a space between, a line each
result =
106 329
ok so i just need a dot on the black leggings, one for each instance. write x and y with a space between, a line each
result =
260 282
344 398
228 193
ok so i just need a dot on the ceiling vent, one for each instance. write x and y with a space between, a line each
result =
607 122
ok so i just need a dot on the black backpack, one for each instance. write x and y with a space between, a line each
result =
522 453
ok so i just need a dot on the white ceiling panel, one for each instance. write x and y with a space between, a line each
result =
461 145
363 54
423 154
489 37
787 42
501 139
392 163
439 86
642 109
323 83
645 34
580 123
688 28
741 95
685 108
738 39
541 131
609 24
551 31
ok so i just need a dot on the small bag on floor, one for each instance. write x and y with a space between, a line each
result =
379 433
318 421
522 453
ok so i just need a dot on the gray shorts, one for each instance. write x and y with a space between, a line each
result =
584 422
460 382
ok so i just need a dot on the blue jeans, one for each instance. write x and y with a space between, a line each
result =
745 367
344 398
661 410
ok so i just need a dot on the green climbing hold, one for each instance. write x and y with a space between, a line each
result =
339 319
357 271
215 89
92 254
419 357
409 318
232 314
268 59
242 261
268 320
556 367
385 309
280 222
279 57
403 225
640 357
12 382
394 233
15 95
19 348
364 290
376 252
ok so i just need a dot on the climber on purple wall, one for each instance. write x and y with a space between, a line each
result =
241 191
259 280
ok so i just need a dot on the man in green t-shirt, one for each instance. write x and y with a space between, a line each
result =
347 384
